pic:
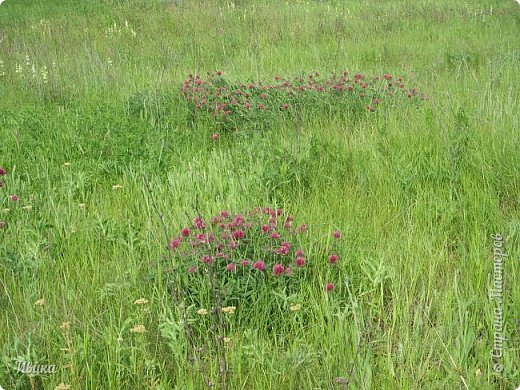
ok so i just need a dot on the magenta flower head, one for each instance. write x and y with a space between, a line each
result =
259 265
329 287
185 232
333 259
14 198
224 213
207 259
245 262
3 172
1 184
238 234
201 237
300 261
174 243
231 267
192 269
337 234
278 269
299 252
283 250
238 220
214 136
265 228
275 235
198 223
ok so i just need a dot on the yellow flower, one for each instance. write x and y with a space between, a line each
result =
227 339
67 164
138 329
202 312
7 210
28 207
82 205
229 309
40 302
117 186
62 386
296 307
141 301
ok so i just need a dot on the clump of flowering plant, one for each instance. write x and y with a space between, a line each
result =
240 256
223 268
236 105
260 245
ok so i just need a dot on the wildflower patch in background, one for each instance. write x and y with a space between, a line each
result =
237 105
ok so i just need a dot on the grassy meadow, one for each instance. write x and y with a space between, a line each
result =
108 164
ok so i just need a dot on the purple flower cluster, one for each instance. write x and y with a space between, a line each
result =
226 101
264 242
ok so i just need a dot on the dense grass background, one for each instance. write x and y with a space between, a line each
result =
417 192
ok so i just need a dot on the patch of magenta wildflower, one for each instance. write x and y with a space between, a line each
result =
227 240
244 251
234 105
243 254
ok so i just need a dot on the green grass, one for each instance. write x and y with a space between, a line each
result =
416 191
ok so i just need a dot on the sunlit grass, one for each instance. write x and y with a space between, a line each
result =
90 111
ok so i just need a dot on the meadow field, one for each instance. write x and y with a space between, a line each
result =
259 194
